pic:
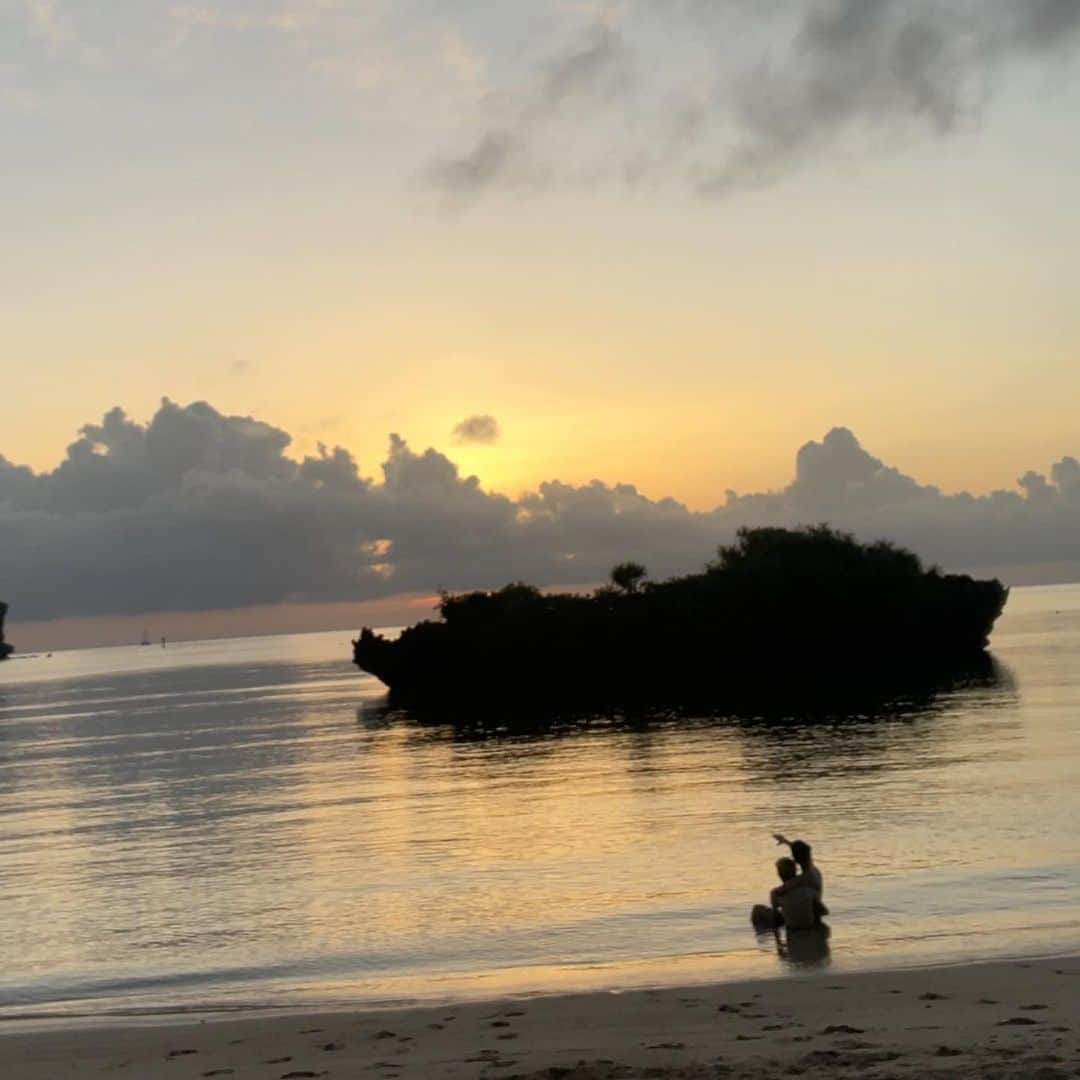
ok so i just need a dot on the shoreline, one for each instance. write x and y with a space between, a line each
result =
962 1020
503 989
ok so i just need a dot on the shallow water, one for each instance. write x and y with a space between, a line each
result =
240 824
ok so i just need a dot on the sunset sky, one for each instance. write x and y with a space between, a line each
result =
664 244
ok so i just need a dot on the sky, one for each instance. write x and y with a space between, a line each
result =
659 245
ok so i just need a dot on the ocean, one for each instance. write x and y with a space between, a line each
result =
244 825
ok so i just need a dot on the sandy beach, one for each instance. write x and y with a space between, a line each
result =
1007 1019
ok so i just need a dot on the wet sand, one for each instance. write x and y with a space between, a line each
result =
1002 1020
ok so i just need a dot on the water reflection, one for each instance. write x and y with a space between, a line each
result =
245 829
800 948
843 735
864 696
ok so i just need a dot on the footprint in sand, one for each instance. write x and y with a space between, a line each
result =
666 1046
515 1012
279 1061
301 1075
931 996
988 1001
385 1035
180 1053
219 1072
842 1029
1016 1021
1033 1008
437 1027
334 1046
311 1031
508 1035
500 1023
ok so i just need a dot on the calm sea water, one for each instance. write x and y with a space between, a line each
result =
242 824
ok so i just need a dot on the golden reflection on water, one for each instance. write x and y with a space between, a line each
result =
181 829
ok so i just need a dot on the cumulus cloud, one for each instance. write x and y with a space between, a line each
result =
476 430
197 510
732 94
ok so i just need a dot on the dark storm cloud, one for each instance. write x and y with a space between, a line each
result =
480 167
865 65
767 86
473 430
198 510
597 67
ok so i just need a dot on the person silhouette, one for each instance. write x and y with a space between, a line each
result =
809 874
793 908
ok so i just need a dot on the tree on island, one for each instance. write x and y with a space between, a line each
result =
628 576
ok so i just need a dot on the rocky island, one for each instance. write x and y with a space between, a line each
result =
788 612
5 649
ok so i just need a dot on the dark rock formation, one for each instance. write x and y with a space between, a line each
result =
793 615
5 649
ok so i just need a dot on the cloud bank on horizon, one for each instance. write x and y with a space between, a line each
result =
197 510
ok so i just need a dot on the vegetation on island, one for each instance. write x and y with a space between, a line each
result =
779 610
5 649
